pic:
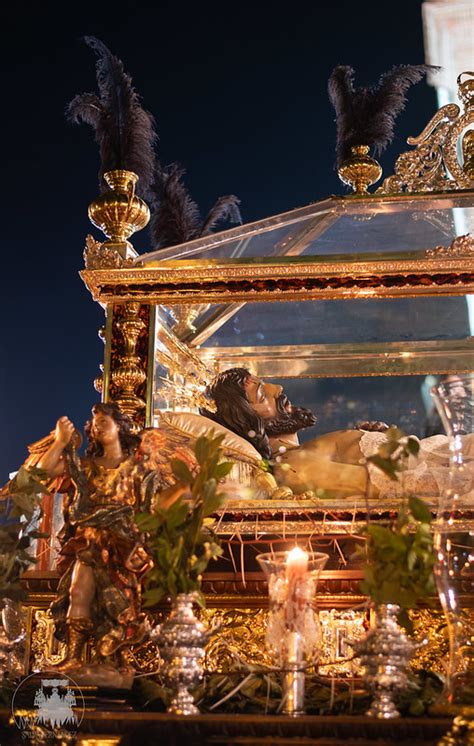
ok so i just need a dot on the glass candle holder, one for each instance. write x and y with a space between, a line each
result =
293 635
454 533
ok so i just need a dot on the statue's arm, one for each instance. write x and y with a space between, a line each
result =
52 461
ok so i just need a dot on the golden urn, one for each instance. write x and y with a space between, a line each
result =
360 170
119 213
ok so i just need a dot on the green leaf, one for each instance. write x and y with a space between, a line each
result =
201 449
147 521
177 514
386 465
213 503
153 596
413 445
181 471
419 509
411 559
380 534
223 469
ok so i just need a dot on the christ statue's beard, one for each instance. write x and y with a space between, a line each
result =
288 422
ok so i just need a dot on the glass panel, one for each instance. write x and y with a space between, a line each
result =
339 226
409 231
341 321
340 403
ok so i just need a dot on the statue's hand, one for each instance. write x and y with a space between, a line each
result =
64 431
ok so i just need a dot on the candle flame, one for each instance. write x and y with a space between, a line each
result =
296 554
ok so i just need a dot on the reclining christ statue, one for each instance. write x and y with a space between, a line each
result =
333 464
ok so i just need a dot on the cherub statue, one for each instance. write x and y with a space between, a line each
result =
103 557
260 412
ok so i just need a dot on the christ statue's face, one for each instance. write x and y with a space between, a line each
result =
270 402
263 397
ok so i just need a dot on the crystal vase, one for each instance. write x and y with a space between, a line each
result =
454 534
12 639
293 634
384 653
181 640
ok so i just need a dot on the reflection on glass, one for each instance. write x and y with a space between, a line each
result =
455 548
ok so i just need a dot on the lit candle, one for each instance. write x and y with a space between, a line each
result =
296 563
296 577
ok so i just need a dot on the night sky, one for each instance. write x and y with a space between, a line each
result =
239 94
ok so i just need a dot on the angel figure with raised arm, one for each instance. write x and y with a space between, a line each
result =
103 557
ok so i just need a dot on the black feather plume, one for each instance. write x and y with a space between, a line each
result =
124 131
226 208
366 115
175 215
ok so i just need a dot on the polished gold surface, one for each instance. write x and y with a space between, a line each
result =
436 163
119 213
219 281
184 318
461 733
241 639
98 256
129 374
360 170
45 651
346 360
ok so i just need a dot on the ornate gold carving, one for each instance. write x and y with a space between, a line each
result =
280 281
119 213
46 651
98 256
461 246
462 731
129 375
240 639
434 164
360 170
339 628
99 381
184 318
430 624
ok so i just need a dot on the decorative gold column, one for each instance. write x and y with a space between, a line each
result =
130 374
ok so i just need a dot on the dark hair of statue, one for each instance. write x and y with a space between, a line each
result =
128 441
234 410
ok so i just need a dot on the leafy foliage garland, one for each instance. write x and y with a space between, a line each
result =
18 502
179 537
256 690
399 558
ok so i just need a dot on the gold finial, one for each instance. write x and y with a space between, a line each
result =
119 213
360 170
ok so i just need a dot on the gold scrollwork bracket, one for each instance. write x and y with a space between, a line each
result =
436 164
98 256
460 246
